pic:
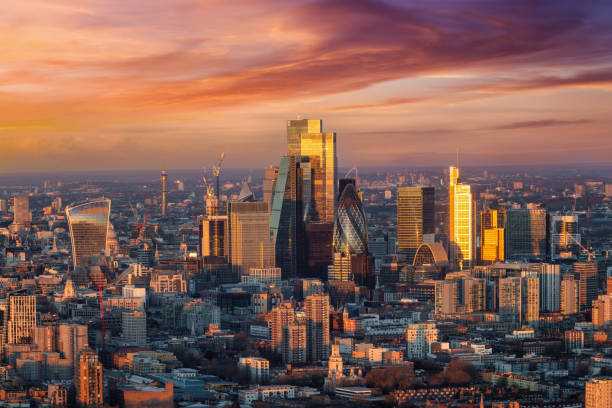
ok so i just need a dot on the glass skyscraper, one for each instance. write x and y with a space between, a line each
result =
461 222
350 229
305 138
525 234
88 223
415 217
292 194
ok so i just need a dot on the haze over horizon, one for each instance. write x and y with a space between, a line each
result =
99 85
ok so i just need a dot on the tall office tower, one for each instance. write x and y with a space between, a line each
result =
510 299
88 380
415 217
249 232
461 222
270 176
290 205
21 315
71 339
281 316
598 393
305 138
21 210
350 226
317 326
351 259
474 295
446 297
164 179
492 236
564 237
569 298
526 234
531 299
213 235
550 285
294 343
602 310
88 224
134 328
589 283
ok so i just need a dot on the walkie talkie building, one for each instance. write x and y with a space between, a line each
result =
88 224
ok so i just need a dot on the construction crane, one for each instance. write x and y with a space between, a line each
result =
217 171
590 254
209 189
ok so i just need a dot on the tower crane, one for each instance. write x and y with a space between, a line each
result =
217 171
590 254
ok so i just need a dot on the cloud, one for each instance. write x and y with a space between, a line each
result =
541 123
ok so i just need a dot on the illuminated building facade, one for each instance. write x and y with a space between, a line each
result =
21 318
317 326
164 180
249 232
305 138
461 228
88 380
415 217
492 236
564 237
88 224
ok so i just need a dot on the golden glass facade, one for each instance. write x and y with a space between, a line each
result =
460 222
491 236
249 229
305 138
88 223
21 318
415 216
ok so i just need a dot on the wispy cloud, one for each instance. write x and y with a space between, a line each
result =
542 123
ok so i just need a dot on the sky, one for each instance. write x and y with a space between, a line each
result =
91 85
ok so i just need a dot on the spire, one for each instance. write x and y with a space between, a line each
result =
245 193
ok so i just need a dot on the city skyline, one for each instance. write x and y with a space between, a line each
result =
86 87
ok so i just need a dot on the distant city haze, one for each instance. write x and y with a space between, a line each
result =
87 86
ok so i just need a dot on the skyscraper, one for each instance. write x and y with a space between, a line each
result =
290 205
305 138
213 240
88 224
164 180
550 285
415 217
461 222
21 210
492 236
281 316
270 176
564 237
598 393
317 326
531 298
134 328
71 339
569 295
446 297
589 283
88 380
249 231
294 343
526 234
510 299
350 227
21 317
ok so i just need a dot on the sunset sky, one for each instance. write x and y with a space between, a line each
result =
93 84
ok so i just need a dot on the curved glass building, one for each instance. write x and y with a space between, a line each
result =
350 228
88 224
